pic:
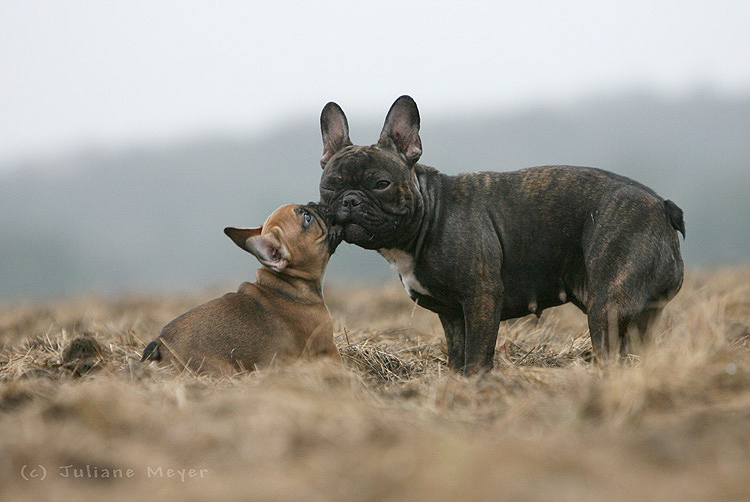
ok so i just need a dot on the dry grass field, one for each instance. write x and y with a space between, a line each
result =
82 419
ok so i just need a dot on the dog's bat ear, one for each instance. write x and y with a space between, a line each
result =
269 251
335 130
401 129
240 236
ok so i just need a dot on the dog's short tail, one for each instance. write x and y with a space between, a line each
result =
151 352
674 213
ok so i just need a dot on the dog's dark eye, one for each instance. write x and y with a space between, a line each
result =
306 219
382 184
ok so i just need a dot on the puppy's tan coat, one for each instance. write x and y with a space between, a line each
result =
281 316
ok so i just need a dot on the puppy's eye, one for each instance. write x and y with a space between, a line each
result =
382 184
306 219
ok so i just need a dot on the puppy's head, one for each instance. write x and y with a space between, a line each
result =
295 240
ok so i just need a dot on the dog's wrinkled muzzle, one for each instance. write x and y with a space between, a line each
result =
342 216
349 204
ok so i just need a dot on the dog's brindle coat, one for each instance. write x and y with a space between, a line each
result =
478 248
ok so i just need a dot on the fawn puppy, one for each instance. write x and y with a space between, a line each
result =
280 316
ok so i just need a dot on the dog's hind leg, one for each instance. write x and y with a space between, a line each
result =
607 328
618 307
621 315
631 258
643 323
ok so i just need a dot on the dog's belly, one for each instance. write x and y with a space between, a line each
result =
523 293
515 302
532 288
519 299
525 301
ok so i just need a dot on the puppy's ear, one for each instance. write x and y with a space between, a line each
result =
269 251
335 130
241 235
401 130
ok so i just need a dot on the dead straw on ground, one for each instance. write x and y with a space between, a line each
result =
391 423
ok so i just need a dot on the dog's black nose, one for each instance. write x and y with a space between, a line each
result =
351 200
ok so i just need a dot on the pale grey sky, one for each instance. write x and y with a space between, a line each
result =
78 74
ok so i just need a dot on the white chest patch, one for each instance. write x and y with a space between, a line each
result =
403 263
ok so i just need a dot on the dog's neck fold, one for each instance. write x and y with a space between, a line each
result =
426 204
301 288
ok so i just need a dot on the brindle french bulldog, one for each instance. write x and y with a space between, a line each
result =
478 248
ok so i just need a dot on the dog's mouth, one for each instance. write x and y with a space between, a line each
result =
364 226
355 233
367 236
353 225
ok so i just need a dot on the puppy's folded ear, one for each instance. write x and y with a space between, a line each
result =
241 235
269 251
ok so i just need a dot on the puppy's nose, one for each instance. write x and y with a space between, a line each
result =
351 200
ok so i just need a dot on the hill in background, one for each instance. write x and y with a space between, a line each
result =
151 218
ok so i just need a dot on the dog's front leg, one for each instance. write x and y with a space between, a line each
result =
482 320
454 327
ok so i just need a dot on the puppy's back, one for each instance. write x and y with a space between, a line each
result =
222 335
